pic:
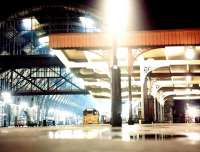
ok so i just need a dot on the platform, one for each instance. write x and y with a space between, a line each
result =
136 138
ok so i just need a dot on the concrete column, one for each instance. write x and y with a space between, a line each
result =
142 80
146 103
130 120
38 112
155 109
168 116
116 107
142 102
9 114
161 113
158 111
130 67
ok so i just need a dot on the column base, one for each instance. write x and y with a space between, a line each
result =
117 122
131 121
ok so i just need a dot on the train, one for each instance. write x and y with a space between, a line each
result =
90 116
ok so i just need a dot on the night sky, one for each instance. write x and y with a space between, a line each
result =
153 14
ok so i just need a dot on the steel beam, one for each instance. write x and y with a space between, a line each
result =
49 92
176 88
172 74
29 61
21 83
30 81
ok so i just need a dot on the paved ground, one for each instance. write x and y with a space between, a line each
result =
136 138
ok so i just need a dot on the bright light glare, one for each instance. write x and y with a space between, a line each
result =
52 52
81 82
27 23
117 13
192 112
187 98
30 23
102 67
188 90
87 22
73 134
115 67
99 83
125 112
122 53
98 67
35 107
193 136
6 97
44 40
67 70
174 50
51 110
24 104
188 78
189 53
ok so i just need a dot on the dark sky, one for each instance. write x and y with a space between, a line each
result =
156 14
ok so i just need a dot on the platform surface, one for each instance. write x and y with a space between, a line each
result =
103 138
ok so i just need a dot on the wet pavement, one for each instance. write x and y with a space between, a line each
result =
102 138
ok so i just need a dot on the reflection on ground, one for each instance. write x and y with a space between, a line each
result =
127 133
102 138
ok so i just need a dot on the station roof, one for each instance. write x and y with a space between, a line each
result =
153 14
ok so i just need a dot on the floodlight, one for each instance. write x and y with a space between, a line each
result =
27 23
192 111
44 40
87 22
189 53
117 13
188 78
6 97
24 104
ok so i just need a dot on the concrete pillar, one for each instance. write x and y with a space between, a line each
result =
168 115
130 120
116 107
142 102
142 80
155 109
158 111
161 113
147 104
38 112
130 67
9 114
